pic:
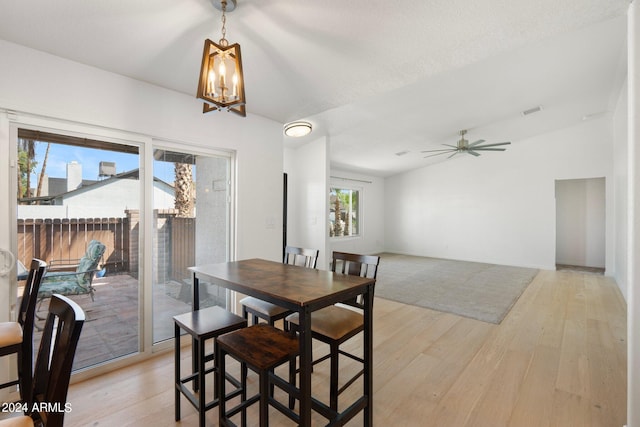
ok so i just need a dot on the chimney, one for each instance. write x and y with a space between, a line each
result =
74 176
107 169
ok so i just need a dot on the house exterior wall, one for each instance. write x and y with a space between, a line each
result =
105 201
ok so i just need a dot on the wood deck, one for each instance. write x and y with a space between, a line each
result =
112 326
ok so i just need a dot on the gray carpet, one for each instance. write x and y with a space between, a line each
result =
479 291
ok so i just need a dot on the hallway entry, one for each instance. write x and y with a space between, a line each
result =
580 224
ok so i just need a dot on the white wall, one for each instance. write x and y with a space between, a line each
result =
307 196
580 222
309 179
620 177
633 248
497 208
68 95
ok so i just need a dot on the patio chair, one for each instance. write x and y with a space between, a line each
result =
76 282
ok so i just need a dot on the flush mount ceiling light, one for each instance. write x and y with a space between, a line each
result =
221 83
297 129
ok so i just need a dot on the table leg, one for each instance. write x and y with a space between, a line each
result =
176 364
195 305
368 355
306 361
195 302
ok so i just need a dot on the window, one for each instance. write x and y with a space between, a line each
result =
344 212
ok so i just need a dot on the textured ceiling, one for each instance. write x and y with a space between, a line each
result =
377 77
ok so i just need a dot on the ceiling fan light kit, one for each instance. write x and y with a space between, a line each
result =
463 146
221 83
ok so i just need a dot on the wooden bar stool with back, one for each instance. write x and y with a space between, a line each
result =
334 325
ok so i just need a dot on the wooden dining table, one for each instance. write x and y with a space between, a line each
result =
303 290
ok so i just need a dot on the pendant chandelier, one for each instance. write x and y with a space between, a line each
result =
221 83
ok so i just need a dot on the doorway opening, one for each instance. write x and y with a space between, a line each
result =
580 224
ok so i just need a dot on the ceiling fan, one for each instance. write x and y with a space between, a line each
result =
463 146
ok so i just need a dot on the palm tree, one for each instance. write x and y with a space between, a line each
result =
184 203
26 162
43 170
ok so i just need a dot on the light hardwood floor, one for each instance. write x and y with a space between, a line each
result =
557 359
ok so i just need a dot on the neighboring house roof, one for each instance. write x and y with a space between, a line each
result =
87 185
58 186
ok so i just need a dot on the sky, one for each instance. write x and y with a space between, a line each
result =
90 158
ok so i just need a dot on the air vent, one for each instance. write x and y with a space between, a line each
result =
532 110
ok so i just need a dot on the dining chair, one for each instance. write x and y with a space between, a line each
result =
52 372
17 337
271 313
336 324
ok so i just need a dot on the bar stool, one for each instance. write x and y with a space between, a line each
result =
203 325
262 348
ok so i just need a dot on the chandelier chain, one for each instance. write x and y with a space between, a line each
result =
223 40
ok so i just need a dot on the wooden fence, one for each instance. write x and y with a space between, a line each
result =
64 239
183 248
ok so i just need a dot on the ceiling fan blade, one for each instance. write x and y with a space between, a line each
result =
473 144
452 146
437 154
454 153
434 151
493 145
473 153
489 149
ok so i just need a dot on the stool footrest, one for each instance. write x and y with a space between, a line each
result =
284 410
9 384
242 405
193 398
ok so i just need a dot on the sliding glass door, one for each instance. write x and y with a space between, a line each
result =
191 211
146 210
78 199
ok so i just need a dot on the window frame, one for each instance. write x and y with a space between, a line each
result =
359 212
